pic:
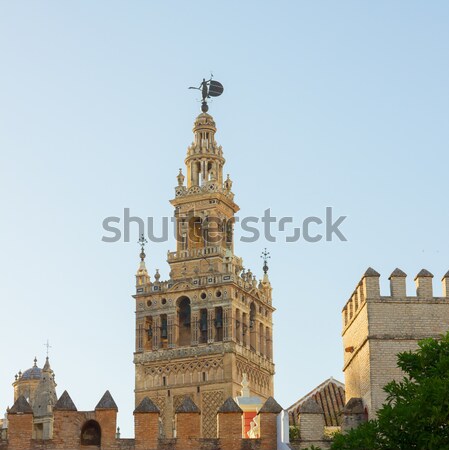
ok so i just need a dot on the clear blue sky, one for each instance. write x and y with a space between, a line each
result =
342 104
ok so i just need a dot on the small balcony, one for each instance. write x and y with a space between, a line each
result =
196 253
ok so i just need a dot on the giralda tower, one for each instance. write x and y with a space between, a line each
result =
198 332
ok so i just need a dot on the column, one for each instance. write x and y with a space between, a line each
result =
269 343
194 327
139 337
171 330
227 324
156 332
262 349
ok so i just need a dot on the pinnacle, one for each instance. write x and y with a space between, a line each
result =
424 273
397 273
21 406
370 272
271 406
107 402
146 406
230 406
310 406
65 403
187 406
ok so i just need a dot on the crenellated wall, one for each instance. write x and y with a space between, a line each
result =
70 428
376 328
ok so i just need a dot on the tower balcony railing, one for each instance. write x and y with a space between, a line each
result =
261 360
196 253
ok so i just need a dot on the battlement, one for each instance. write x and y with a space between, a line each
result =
377 328
73 429
368 290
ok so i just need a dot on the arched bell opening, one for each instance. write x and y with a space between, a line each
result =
238 326
164 331
184 319
252 325
218 323
203 326
149 330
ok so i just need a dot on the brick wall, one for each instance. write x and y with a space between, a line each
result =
68 425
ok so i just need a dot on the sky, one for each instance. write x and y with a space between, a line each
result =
326 104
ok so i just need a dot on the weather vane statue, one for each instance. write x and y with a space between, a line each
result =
209 88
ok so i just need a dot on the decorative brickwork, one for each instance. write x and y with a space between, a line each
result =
211 402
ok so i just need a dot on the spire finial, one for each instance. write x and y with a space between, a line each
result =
209 88
142 241
265 256
47 344
35 362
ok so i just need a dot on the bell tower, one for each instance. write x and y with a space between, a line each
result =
210 323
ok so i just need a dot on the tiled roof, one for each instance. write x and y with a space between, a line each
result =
35 373
330 396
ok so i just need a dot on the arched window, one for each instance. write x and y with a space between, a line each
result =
91 433
164 331
203 326
219 323
238 326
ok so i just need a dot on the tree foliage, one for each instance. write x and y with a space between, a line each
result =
416 413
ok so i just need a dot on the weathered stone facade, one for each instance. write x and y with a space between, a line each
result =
376 328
